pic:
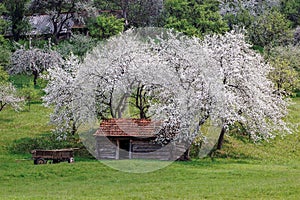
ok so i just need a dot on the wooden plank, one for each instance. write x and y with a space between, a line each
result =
117 149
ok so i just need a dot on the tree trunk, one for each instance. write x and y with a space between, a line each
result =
74 128
2 105
35 77
221 138
185 156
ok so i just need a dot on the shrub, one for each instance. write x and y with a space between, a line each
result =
78 45
271 28
103 27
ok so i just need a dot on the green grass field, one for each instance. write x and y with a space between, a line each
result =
247 171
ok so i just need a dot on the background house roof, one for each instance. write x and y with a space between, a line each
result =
41 24
128 127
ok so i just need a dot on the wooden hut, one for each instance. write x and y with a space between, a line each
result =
130 139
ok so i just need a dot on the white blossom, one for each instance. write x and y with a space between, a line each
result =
34 61
188 81
60 94
8 96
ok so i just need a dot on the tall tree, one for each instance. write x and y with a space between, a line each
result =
194 18
3 23
291 8
189 82
249 94
16 10
271 28
136 13
243 12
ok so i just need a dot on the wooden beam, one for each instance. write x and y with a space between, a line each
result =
130 147
118 150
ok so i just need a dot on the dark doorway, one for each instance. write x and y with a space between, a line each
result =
124 149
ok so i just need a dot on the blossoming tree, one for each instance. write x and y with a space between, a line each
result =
33 61
185 83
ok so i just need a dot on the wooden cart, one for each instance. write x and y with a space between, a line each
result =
57 155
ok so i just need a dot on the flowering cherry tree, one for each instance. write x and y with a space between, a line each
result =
249 96
33 61
186 82
228 84
114 71
8 93
60 93
8 96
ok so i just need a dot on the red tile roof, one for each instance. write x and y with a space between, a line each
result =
128 127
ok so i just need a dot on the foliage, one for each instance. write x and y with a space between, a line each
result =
29 93
16 10
3 75
79 45
287 62
291 53
297 36
106 4
194 18
242 13
41 43
243 18
136 13
271 28
285 77
291 8
103 27
4 52
3 23
144 13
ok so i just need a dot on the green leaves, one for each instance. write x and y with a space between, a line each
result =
271 28
291 8
16 10
5 52
284 76
3 75
103 27
194 18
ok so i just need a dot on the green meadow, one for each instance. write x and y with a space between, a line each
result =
242 170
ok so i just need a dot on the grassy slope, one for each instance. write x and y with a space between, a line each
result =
279 150
264 171
23 124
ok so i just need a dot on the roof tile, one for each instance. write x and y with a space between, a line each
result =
128 127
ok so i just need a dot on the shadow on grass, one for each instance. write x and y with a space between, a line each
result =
6 119
47 141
